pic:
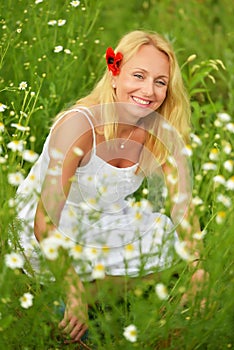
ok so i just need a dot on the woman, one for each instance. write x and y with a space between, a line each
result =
97 154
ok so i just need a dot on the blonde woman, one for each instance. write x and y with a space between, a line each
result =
97 154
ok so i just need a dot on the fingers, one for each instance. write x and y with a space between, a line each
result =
73 327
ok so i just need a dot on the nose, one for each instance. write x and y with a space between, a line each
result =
148 88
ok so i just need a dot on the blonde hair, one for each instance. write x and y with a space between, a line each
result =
175 108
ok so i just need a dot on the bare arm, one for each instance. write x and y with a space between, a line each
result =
71 134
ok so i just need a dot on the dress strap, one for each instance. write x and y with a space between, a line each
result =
87 113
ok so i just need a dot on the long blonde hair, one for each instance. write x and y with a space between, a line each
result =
175 108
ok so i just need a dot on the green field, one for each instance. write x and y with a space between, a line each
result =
51 54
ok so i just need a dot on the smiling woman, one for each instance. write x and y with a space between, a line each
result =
96 155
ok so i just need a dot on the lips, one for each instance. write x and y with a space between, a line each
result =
141 101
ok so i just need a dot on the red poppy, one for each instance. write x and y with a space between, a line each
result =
113 60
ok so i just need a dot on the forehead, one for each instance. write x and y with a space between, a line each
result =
150 59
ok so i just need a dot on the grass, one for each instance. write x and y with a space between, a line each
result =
54 81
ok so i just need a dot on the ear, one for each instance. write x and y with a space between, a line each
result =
113 82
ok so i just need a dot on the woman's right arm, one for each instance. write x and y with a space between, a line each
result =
72 133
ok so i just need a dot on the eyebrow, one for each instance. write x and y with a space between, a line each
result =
144 70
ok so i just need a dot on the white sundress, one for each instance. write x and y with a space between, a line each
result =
128 237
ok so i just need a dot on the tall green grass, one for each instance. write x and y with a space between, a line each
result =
55 80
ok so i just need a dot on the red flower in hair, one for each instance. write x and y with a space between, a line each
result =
113 60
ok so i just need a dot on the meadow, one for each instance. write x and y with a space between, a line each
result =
51 54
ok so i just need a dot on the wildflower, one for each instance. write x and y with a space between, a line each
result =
29 156
98 271
230 127
145 191
58 49
61 22
129 251
2 127
26 300
56 154
228 165
225 200
2 107
172 179
75 3
199 235
197 201
38 1
182 250
214 154
15 179
227 148
50 247
219 179
67 51
224 117
76 251
230 183
191 58
20 127
179 197
196 139
2 160
52 22
161 291
187 151
91 253
66 243
78 151
220 217
14 261
130 333
209 166
55 171
23 85
16 145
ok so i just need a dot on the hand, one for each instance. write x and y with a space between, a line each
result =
75 318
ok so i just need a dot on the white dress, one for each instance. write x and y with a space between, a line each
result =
125 236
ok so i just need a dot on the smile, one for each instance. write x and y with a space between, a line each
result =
141 101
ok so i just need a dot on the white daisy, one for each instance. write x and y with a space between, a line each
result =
58 48
20 127
228 165
220 217
230 183
14 261
199 235
214 154
78 151
226 201
219 179
2 107
224 117
182 250
209 166
130 333
129 251
26 300
161 291
230 127
15 179
75 3
76 252
98 271
52 22
2 127
61 22
16 145
29 155
23 85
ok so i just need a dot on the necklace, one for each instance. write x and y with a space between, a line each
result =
122 144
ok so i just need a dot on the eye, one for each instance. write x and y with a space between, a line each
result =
160 82
138 75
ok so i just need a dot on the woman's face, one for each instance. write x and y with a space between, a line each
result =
143 79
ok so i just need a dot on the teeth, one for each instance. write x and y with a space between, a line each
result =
143 102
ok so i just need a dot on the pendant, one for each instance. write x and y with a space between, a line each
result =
122 146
